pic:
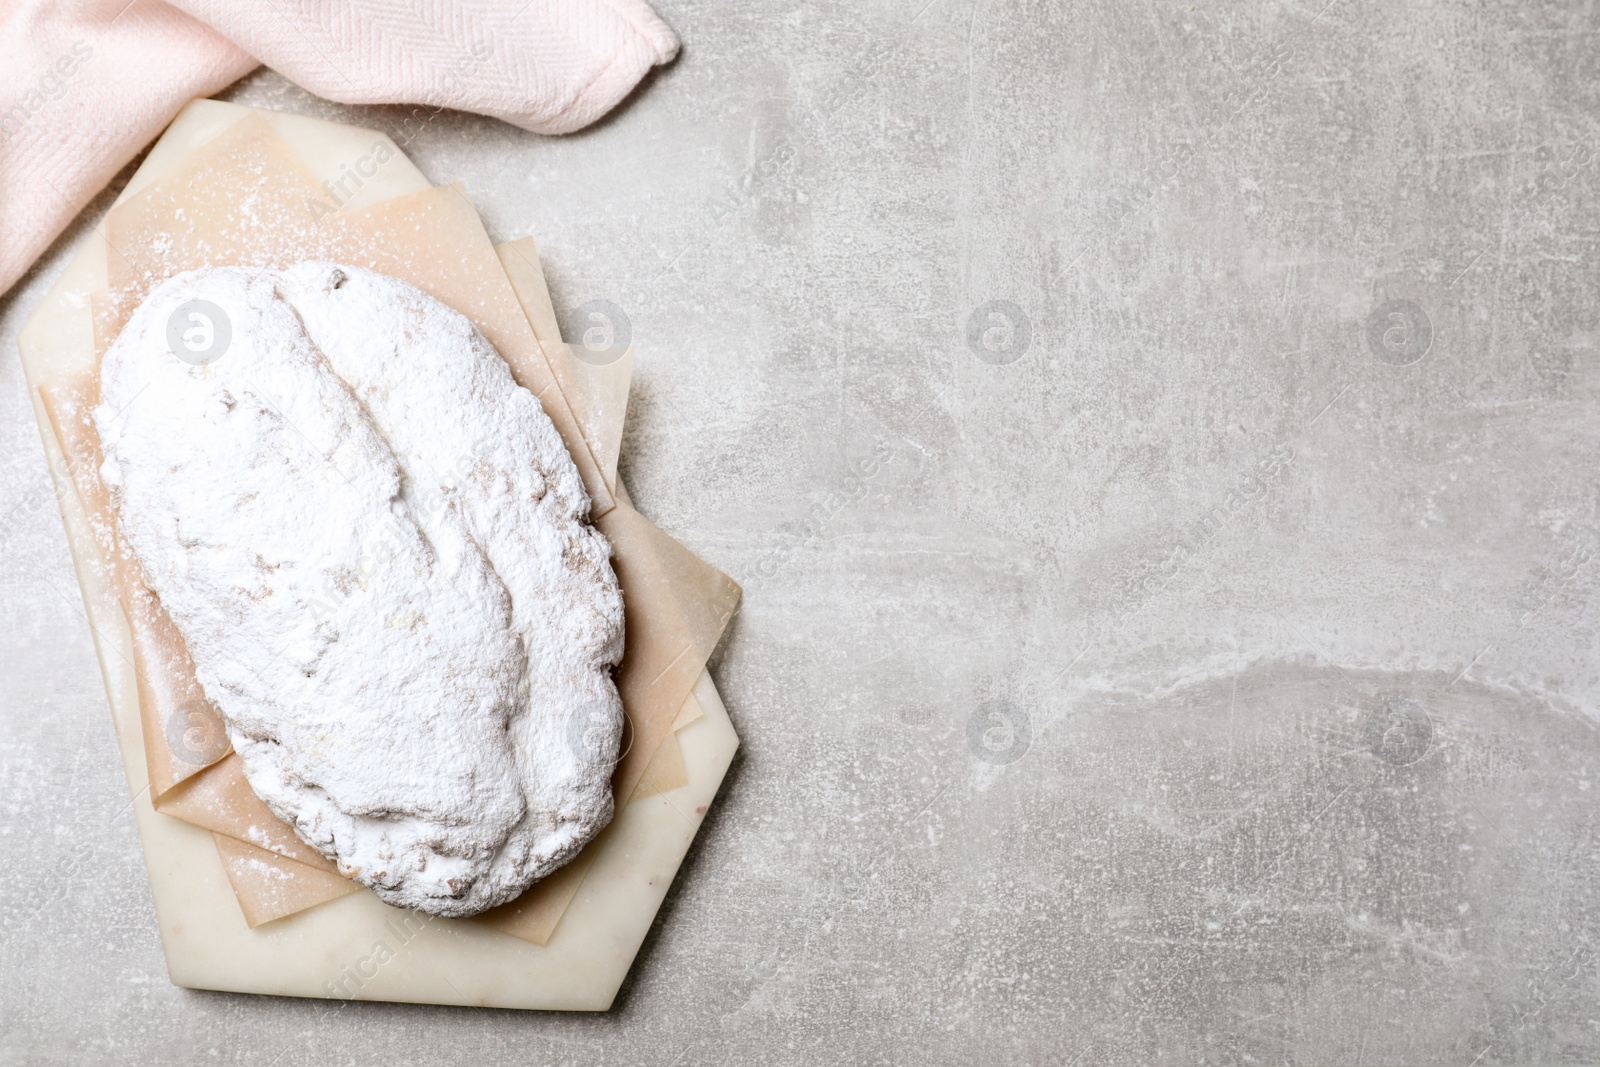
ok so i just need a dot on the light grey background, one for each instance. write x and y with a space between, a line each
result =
1198 686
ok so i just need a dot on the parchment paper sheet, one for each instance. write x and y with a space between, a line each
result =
226 203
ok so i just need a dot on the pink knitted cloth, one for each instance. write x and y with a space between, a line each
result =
86 84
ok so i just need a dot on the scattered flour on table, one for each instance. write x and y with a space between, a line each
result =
378 551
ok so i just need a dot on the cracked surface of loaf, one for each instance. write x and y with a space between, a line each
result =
377 549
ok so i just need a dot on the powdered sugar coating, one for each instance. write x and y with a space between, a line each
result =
378 551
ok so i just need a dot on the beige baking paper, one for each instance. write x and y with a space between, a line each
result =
143 252
270 886
597 393
160 660
329 951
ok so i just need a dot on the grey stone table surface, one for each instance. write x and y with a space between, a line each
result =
1158 444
